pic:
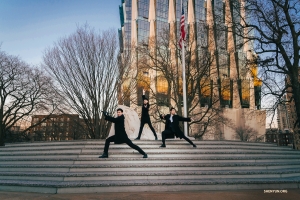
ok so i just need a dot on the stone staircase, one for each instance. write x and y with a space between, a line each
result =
74 167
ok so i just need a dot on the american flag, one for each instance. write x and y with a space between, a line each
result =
182 29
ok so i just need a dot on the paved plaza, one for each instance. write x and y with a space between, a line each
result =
289 194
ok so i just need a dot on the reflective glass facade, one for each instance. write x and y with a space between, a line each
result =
200 10
128 11
201 25
141 23
162 9
219 12
142 31
127 34
143 9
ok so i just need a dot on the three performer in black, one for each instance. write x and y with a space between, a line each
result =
172 128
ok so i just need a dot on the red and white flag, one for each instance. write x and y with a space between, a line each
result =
182 28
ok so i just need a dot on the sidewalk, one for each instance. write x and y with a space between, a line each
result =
292 194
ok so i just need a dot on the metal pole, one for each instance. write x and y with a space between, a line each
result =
184 86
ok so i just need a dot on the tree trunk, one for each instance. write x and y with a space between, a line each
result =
2 136
2 129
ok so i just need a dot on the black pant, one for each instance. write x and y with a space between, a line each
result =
150 126
167 131
128 142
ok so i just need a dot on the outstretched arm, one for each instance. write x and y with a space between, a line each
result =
162 116
112 119
184 119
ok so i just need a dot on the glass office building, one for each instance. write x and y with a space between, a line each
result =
207 20
137 17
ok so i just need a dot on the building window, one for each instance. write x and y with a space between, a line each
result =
161 29
143 82
205 92
128 7
200 11
143 8
244 90
219 11
143 28
202 33
162 8
161 91
126 94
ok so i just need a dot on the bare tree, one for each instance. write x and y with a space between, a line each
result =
273 27
86 66
23 92
246 134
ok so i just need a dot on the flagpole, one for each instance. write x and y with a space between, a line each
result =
184 85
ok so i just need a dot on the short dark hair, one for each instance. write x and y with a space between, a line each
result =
172 108
120 109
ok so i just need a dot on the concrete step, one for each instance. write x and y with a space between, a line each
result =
152 159
147 185
140 142
74 166
69 176
146 167
189 149
146 146
134 154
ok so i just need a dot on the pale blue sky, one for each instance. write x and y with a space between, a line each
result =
28 27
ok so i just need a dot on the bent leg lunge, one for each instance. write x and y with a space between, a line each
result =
129 143
152 129
163 138
106 146
140 131
189 141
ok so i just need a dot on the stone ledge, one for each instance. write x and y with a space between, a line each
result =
246 158
161 151
151 173
98 142
185 146
130 165
66 184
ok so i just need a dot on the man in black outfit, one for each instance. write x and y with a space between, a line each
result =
145 119
172 127
120 134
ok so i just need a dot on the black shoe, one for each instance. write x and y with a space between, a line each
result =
194 146
137 138
163 145
145 156
104 155
155 138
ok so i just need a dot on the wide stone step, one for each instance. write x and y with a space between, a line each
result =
166 155
74 166
148 185
147 167
149 175
146 146
152 150
139 142
162 160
